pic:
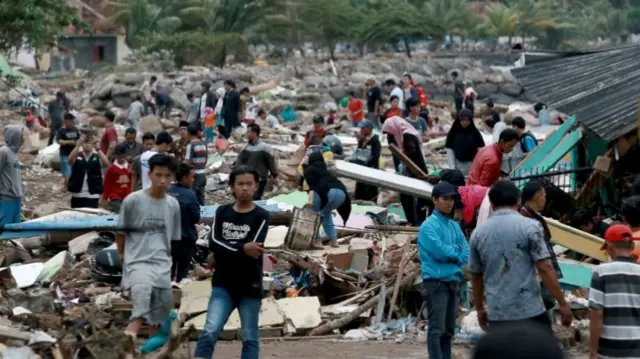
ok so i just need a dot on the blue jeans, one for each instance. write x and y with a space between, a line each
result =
441 300
10 211
209 135
335 199
65 167
221 305
133 123
356 124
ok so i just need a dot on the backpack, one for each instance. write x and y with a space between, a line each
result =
524 136
422 97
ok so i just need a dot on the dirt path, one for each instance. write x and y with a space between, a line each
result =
342 350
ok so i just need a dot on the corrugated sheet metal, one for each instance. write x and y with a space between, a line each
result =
601 89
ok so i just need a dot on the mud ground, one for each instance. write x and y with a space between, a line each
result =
340 349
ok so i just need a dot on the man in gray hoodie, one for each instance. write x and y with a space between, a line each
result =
10 178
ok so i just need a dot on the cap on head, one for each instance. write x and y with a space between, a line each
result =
367 124
318 119
444 189
184 124
617 233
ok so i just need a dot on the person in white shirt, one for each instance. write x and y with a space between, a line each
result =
396 91
146 90
162 145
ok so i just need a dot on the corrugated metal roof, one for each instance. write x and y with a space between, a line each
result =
602 89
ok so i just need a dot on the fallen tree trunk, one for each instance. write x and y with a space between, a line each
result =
341 322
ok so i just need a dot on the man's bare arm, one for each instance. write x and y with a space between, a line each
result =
477 289
550 279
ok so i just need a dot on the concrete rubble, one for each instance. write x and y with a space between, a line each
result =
57 301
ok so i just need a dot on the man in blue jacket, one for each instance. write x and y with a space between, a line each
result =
182 250
443 251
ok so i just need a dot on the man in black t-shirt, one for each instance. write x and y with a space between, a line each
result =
67 137
236 241
373 102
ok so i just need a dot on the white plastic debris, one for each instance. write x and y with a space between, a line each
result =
363 334
103 301
40 337
471 325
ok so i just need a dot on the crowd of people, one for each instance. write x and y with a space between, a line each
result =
477 226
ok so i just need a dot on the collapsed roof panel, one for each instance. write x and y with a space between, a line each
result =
601 88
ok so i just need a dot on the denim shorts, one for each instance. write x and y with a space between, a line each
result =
65 167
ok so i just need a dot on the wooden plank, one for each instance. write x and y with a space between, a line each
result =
546 147
576 240
412 167
396 287
382 179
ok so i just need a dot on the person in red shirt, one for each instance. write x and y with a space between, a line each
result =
110 136
486 167
117 180
394 110
356 110
318 129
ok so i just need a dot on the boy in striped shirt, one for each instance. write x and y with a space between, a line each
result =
614 299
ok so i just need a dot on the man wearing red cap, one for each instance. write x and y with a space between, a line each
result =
614 299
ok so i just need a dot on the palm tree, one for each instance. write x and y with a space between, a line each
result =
329 21
537 17
139 17
225 22
445 17
501 20
388 22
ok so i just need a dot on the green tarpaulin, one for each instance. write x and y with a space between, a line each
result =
8 71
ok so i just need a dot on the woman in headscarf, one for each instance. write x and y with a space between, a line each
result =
326 194
463 142
407 139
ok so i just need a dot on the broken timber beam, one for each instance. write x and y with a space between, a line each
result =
394 228
341 322
412 167
396 288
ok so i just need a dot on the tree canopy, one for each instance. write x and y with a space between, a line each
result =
34 23
207 31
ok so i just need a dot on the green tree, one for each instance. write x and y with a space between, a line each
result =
387 22
227 23
501 20
326 21
34 23
141 18
445 17
633 20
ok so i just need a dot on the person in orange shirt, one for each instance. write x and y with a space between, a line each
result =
631 214
209 125
356 110
394 110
